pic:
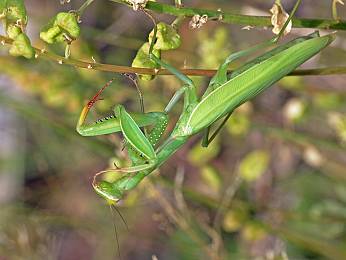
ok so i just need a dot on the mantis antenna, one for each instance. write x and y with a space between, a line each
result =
133 78
115 230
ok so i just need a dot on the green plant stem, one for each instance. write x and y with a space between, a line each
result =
299 138
126 69
239 18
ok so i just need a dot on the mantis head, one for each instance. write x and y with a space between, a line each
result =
108 191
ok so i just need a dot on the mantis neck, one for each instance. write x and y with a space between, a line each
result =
169 148
130 181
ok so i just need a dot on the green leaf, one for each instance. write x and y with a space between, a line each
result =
62 27
21 47
142 60
254 165
167 37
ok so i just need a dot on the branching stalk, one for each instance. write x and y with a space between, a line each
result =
191 72
241 19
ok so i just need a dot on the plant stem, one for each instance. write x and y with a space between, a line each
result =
190 72
334 9
299 138
84 6
240 19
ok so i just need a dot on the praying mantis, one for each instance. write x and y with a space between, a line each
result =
223 95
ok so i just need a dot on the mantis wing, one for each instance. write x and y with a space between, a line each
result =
221 75
134 135
249 83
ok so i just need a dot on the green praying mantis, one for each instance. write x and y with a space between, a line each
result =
223 95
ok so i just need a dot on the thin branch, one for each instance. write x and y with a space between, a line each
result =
177 218
84 6
190 72
240 19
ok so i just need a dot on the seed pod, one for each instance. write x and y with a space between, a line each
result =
21 47
167 37
63 27
142 60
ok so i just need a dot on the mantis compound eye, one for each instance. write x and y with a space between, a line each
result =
108 191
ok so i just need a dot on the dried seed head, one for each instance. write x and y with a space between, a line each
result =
198 21
19 22
62 2
138 4
247 27
278 19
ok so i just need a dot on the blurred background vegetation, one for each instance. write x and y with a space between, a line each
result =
271 186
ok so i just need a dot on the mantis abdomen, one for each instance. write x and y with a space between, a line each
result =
252 81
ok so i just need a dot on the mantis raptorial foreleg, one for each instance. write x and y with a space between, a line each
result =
140 162
110 124
137 140
140 149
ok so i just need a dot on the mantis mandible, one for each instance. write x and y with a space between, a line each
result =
224 94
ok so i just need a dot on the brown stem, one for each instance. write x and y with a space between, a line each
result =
190 72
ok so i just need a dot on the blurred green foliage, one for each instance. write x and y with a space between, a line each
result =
254 165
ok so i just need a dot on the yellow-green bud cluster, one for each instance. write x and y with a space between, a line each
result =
167 38
13 14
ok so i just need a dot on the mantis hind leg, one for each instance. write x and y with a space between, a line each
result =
206 140
221 75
